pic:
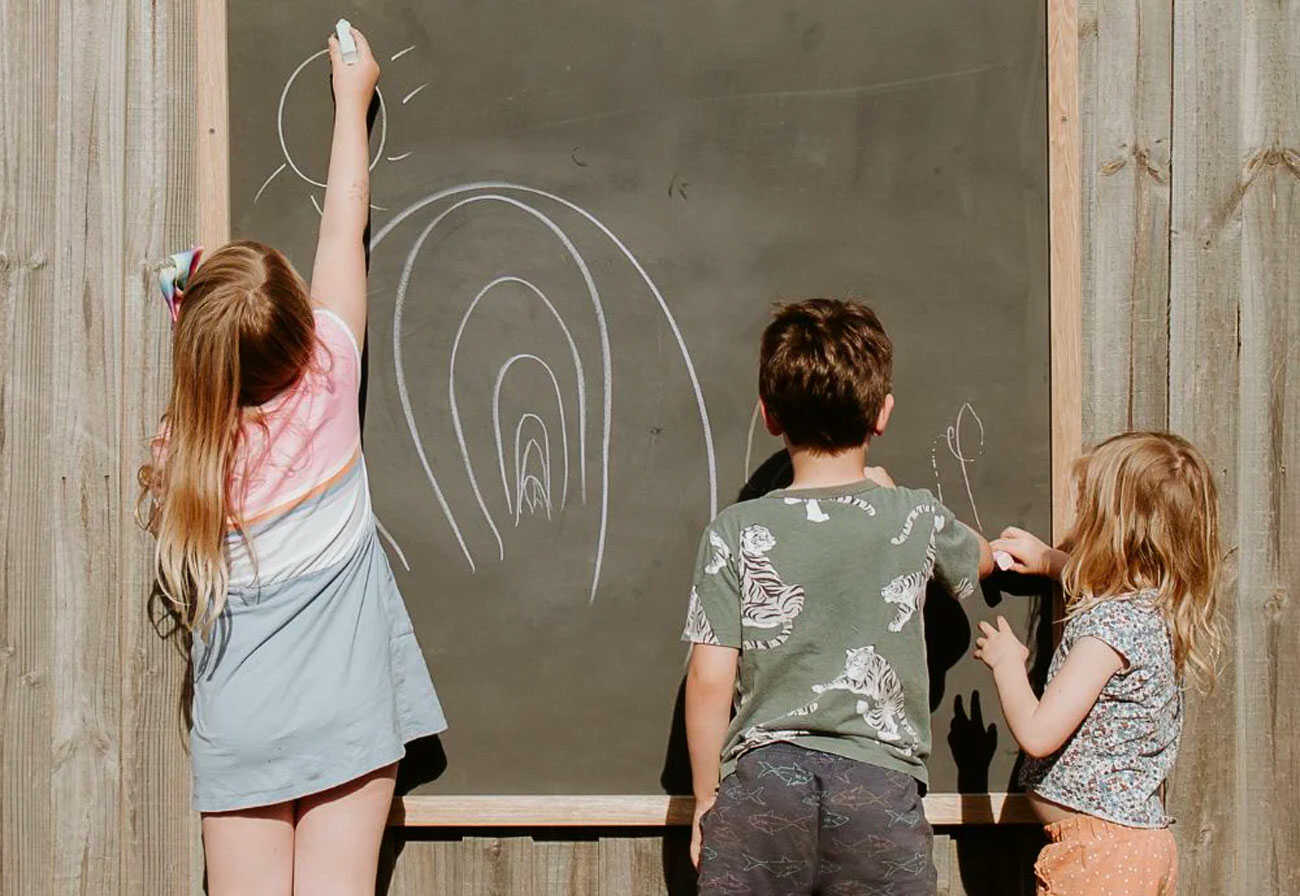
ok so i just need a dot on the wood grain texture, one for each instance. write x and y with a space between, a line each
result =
971 860
88 261
651 811
1232 326
212 110
160 849
103 171
1065 216
1127 98
29 91
1267 616
1205 277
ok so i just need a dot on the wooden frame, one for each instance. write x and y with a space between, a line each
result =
1066 322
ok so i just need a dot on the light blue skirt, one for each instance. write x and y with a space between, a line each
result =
307 684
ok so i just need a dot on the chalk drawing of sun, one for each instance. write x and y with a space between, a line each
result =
381 122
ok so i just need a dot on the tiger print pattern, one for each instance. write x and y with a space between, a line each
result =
766 601
908 590
698 630
912 517
857 502
869 675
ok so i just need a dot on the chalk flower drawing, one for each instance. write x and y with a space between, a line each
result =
952 440
529 482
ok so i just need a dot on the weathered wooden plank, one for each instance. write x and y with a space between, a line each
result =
160 849
418 867
1065 224
564 867
651 810
1205 278
88 195
212 112
1126 94
29 98
631 865
1267 620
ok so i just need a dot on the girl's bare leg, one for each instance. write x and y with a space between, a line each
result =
338 834
250 852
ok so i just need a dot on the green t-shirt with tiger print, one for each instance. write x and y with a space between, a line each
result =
821 591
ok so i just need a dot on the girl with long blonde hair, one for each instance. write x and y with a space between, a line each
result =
307 680
1140 575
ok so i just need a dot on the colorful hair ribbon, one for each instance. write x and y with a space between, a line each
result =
174 276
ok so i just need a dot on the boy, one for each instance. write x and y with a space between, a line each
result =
813 594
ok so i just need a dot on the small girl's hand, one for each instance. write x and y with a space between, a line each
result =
1029 554
999 646
353 83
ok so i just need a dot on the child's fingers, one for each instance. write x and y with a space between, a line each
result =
335 56
988 630
363 45
1003 625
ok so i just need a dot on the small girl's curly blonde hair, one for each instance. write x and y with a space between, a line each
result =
1148 519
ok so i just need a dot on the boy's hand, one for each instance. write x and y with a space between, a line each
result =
1000 646
353 83
1029 554
878 476
702 805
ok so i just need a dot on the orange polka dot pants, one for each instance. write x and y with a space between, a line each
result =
1091 857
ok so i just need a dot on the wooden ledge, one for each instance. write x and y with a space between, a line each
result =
653 811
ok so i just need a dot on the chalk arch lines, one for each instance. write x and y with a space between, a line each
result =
529 487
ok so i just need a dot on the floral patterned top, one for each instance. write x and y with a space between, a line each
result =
1113 765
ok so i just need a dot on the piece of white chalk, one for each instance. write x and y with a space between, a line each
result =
347 46
1003 559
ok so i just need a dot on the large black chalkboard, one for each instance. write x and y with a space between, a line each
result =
583 212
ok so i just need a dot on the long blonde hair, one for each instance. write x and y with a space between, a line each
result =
244 334
1148 519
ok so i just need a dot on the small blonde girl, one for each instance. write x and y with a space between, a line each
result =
307 679
1140 578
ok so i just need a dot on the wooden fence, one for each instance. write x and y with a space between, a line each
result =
1191 221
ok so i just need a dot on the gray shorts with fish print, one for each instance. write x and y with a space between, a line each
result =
791 820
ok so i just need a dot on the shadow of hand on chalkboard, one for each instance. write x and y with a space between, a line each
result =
973 744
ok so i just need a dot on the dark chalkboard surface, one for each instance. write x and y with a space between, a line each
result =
583 211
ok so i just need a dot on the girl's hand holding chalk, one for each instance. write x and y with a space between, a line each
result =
354 82
1023 552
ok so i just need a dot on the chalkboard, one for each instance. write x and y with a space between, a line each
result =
582 214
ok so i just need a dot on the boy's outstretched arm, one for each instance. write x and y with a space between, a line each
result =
338 277
710 686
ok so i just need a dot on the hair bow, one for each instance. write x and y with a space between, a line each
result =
174 276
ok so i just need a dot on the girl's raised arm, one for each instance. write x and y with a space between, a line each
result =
338 277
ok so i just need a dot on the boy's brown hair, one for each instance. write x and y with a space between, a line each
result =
824 370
